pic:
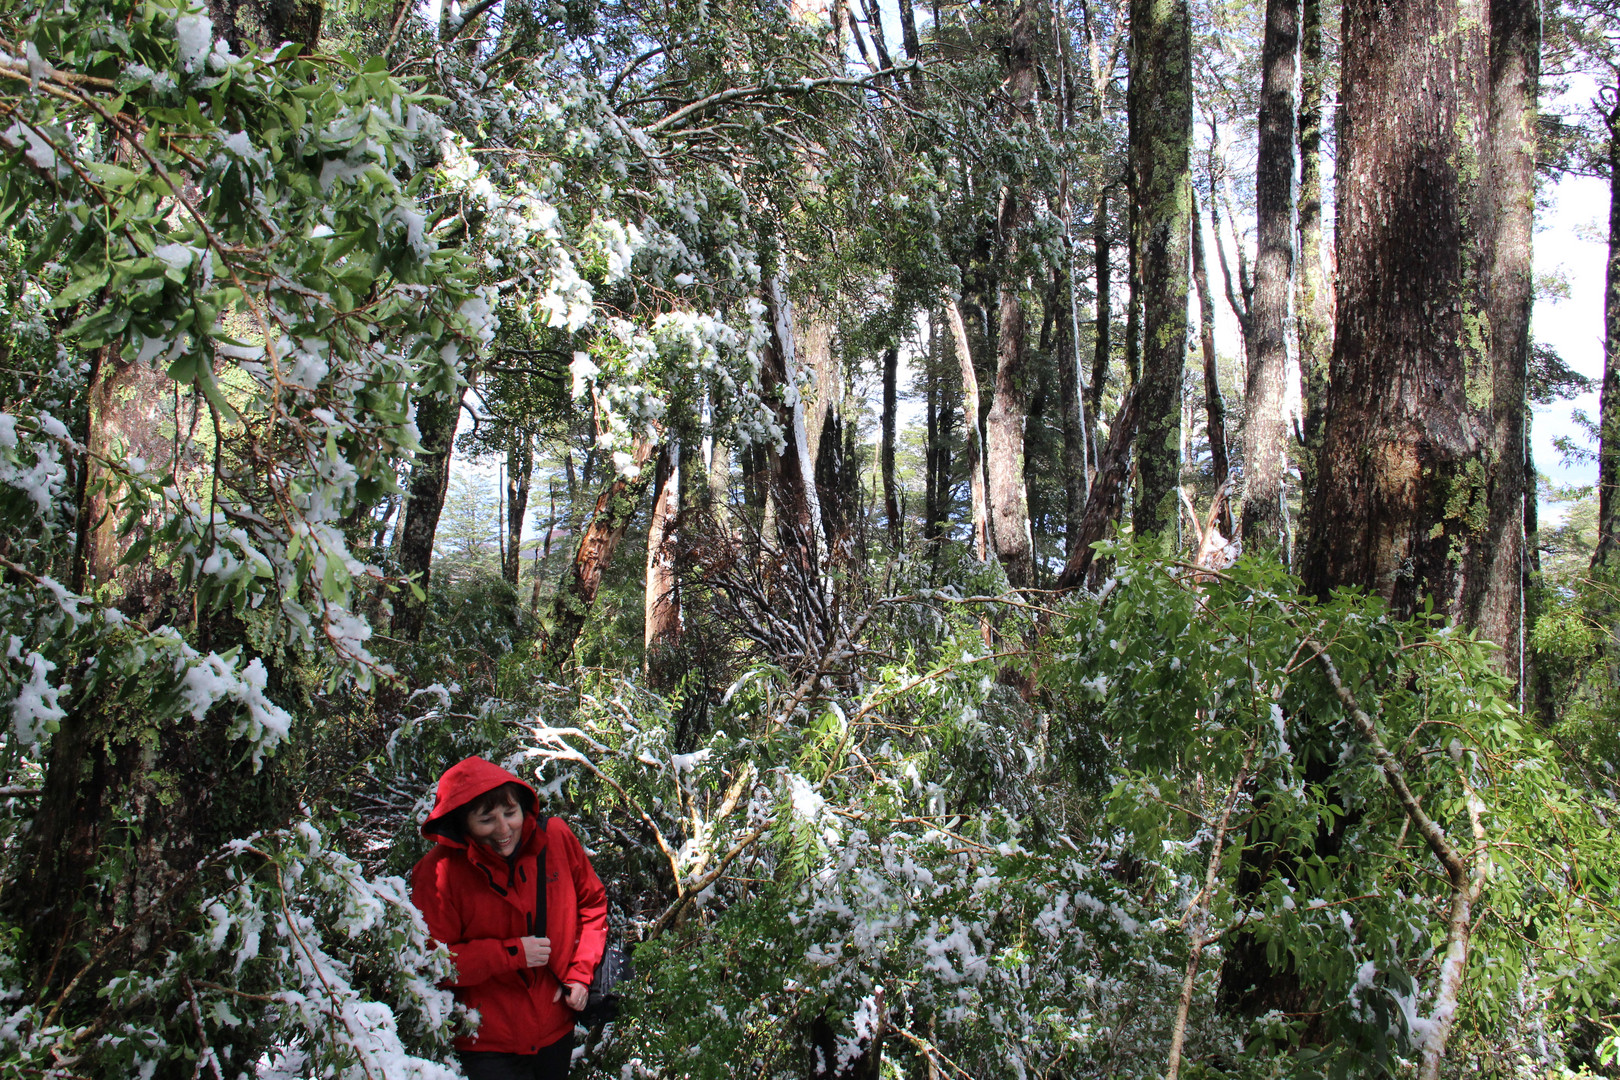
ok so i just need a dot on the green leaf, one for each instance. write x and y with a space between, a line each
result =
81 287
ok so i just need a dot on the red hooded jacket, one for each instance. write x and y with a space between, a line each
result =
480 905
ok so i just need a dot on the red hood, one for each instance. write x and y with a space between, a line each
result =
461 784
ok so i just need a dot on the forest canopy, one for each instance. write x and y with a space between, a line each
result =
795 439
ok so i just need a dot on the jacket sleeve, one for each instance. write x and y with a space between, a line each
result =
592 898
477 959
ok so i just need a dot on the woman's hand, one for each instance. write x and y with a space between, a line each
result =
574 993
536 951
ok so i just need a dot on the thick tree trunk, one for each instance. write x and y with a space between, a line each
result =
1401 501
891 503
519 475
267 23
1313 297
1009 403
436 419
1214 401
973 441
792 468
576 592
662 606
1265 428
1608 542
1493 602
1160 104
131 409
1401 505
1004 445
1100 355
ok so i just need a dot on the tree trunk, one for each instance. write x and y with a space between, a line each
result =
1400 506
128 407
891 505
792 468
1004 447
931 410
1105 313
519 474
1493 603
267 23
973 441
1214 402
662 598
1608 541
1107 495
1265 428
436 419
1009 402
1160 104
1074 429
576 593
1313 299
1133 291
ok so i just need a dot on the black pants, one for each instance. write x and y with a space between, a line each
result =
551 1063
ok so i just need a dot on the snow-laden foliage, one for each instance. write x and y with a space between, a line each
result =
301 965
857 876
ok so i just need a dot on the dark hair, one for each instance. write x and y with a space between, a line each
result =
510 793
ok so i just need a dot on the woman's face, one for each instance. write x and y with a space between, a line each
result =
498 829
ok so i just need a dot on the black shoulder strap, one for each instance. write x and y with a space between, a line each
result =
537 925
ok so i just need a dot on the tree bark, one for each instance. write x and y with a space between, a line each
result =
1009 403
1160 104
267 23
1214 402
1608 542
576 593
1313 298
931 411
791 468
1073 417
519 475
973 440
662 601
1004 445
1102 347
1265 429
1493 603
891 504
1107 495
1400 506
436 418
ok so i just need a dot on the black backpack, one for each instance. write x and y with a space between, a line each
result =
602 998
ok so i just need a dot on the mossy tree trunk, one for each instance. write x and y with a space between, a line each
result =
1313 288
1160 107
1493 602
1400 505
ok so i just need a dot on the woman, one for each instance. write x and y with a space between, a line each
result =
478 889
